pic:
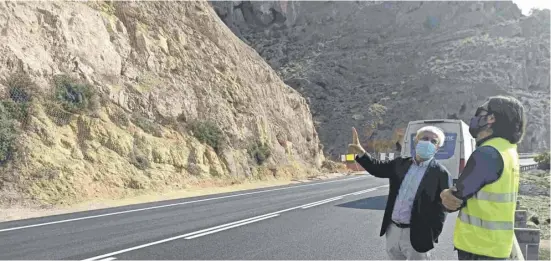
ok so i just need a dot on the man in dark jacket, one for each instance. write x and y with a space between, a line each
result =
414 215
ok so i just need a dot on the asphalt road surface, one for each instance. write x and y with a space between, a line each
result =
331 219
528 161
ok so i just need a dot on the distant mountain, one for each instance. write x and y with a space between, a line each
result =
383 64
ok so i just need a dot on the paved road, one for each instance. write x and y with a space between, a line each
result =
528 161
273 223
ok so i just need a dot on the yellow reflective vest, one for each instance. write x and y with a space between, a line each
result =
485 226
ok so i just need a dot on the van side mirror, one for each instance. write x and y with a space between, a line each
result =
398 146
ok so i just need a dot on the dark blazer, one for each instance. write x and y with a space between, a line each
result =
428 213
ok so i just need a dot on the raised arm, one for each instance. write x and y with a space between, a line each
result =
375 167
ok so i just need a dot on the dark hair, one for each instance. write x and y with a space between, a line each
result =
510 121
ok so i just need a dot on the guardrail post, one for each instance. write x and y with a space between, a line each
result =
521 217
529 241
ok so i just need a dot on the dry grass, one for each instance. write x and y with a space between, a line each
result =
201 188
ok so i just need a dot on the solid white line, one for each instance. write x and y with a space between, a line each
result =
363 191
321 203
208 229
229 224
226 228
108 259
168 205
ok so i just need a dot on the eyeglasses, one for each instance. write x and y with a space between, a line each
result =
481 112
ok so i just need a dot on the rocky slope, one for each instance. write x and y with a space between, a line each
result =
138 96
381 64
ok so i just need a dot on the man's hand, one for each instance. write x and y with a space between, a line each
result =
355 147
449 200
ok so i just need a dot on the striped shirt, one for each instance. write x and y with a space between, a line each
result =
408 190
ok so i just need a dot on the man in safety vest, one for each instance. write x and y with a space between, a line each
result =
486 191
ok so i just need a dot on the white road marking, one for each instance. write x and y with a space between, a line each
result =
363 191
108 259
168 205
323 202
228 225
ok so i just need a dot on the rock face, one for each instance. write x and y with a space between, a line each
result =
411 60
160 69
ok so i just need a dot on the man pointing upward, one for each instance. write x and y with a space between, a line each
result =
414 215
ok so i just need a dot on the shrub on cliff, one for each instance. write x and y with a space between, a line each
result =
8 135
73 95
21 87
209 133
147 125
21 92
543 160
260 152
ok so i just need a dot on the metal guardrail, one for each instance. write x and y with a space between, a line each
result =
528 167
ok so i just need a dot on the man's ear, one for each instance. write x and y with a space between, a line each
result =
491 119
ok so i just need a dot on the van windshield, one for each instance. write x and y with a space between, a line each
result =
445 152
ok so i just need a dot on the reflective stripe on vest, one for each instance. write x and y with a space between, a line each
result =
491 225
496 197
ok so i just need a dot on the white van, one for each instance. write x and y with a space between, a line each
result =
457 149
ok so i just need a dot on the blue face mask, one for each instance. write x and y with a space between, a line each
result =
425 149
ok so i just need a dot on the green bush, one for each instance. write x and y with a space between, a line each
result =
543 160
8 135
17 111
21 87
147 125
140 161
74 96
209 133
260 152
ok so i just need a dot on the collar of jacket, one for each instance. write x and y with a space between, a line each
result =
478 143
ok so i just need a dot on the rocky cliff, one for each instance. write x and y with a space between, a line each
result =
103 98
378 65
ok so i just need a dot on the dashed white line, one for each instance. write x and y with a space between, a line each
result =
168 205
222 227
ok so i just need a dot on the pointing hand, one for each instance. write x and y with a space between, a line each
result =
355 147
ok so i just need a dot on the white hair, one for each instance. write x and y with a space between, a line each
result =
435 130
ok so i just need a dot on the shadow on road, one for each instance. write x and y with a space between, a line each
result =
374 203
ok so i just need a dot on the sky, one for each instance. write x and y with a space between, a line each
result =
526 5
